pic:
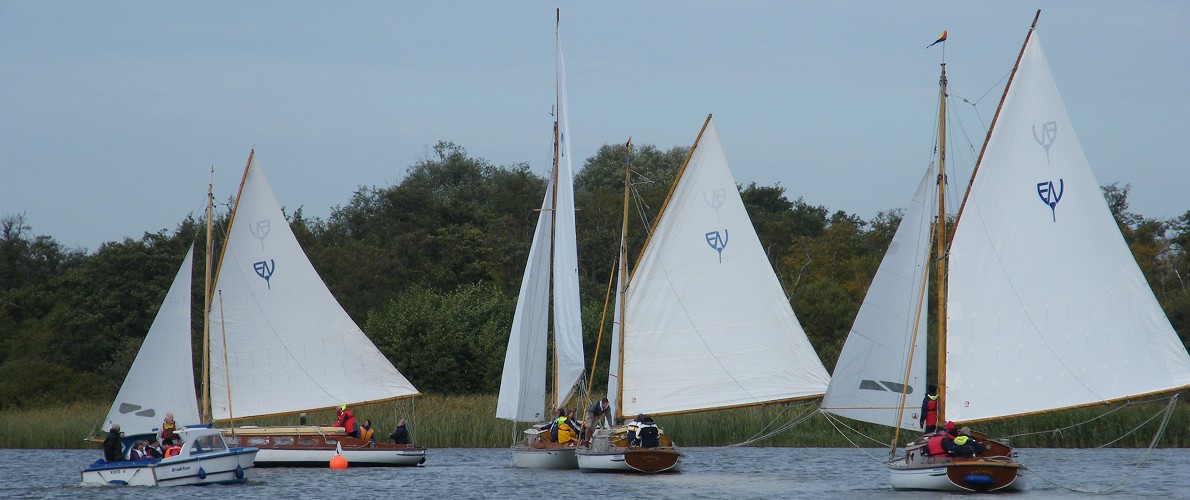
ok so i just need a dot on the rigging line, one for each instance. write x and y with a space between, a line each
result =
835 423
762 434
1085 422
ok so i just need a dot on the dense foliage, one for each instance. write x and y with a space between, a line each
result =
430 269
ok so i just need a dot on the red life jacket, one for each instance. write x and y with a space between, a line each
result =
346 421
932 412
934 446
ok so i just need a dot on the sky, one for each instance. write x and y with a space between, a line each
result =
113 113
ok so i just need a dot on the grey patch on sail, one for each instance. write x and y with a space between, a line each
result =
873 385
126 408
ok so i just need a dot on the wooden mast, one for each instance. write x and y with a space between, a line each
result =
553 397
623 280
206 326
940 245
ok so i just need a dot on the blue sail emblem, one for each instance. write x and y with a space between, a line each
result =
1051 196
265 270
717 242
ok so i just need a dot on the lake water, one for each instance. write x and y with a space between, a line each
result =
712 473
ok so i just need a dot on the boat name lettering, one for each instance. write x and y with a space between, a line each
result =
179 468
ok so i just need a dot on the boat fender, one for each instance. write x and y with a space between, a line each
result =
202 473
239 472
978 479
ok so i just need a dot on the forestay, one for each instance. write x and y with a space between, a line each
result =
1047 307
890 329
278 336
707 324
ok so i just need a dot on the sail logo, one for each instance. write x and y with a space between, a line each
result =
716 200
265 270
717 242
1047 136
885 386
260 230
1051 196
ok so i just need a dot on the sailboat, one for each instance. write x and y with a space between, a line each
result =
160 381
1042 305
553 258
702 322
280 344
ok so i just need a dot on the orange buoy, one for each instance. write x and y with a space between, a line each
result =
338 462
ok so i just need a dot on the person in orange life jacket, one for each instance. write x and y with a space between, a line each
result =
346 420
965 445
929 409
366 431
942 441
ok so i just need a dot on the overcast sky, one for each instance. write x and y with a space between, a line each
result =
114 112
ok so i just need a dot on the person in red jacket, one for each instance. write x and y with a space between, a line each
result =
347 421
929 409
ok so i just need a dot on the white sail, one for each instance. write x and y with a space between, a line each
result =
278 336
890 329
1047 307
522 384
707 324
568 328
161 378
613 369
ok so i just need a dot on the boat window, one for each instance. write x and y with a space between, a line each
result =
284 440
259 441
309 442
208 444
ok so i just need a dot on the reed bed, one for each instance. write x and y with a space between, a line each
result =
468 422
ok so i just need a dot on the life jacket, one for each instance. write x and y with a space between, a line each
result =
566 432
365 434
172 451
169 431
934 446
932 411
346 421
649 436
961 440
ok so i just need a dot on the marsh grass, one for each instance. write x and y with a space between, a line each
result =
468 422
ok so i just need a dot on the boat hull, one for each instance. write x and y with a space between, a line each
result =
992 470
544 458
315 446
608 451
215 468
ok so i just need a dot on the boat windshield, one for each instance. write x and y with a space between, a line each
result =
208 444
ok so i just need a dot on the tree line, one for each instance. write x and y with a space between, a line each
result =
430 269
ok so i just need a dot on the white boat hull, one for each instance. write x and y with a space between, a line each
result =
938 479
544 458
222 468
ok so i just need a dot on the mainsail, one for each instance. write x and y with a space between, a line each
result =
161 378
1041 280
280 342
707 325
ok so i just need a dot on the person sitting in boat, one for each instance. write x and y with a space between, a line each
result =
940 444
366 431
929 409
138 451
965 445
647 433
400 435
169 430
113 448
564 431
154 449
346 420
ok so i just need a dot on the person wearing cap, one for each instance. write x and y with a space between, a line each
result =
346 420
965 445
929 409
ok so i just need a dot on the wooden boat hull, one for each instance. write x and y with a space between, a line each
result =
315 446
647 460
992 470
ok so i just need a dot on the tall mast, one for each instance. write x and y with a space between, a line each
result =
554 197
623 280
206 327
940 244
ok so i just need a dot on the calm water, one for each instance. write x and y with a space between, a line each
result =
707 473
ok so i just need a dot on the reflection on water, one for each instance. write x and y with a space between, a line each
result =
707 473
